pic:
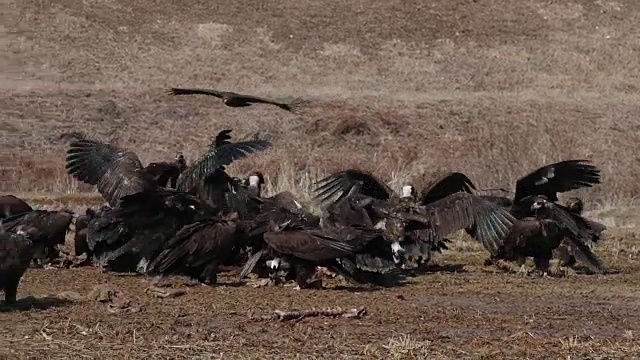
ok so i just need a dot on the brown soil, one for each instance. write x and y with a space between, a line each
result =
460 310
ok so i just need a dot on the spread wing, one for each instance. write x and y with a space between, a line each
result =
289 106
443 185
310 245
183 91
116 172
220 153
256 99
556 178
349 182
463 210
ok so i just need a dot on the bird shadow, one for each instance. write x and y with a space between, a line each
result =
435 268
362 289
38 303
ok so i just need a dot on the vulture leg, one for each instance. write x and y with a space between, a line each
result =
542 263
11 290
210 274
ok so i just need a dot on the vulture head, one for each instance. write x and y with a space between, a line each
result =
254 182
394 233
575 205
540 205
180 160
408 191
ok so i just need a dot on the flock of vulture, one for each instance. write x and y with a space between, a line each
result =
171 218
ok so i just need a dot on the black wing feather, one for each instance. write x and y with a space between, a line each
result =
555 178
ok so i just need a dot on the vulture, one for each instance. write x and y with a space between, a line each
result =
445 206
232 99
144 214
548 181
116 172
12 205
166 174
538 235
47 228
207 177
198 248
16 251
262 220
128 237
305 248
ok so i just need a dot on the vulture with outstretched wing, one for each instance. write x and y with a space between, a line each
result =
444 206
232 99
116 172
207 176
539 235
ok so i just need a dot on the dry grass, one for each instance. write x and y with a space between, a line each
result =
401 88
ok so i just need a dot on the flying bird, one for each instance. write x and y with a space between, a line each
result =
232 99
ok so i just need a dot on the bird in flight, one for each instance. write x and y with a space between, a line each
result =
237 100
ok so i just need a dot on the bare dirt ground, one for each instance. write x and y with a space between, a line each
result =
401 88
460 310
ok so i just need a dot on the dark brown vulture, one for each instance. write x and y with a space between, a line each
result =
12 205
305 248
548 181
166 174
352 181
232 99
16 252
207 177
116 172
47 228
197 249
128 237
445 206
538 235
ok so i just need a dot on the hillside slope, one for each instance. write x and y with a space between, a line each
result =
491 88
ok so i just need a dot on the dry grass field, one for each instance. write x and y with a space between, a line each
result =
492 88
